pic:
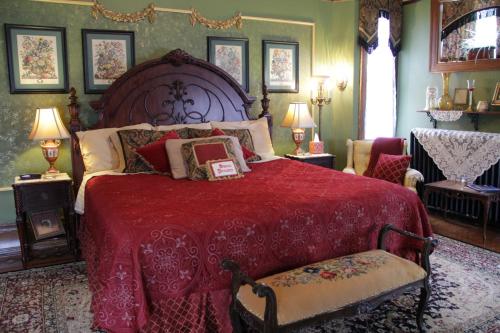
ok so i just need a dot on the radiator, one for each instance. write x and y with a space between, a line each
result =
462 207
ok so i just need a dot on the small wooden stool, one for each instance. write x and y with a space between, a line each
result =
329 289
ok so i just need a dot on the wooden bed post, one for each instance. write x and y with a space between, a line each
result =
265 110
75 126
74 111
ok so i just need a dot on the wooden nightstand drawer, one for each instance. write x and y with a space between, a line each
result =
44 196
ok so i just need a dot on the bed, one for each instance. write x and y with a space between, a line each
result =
153 245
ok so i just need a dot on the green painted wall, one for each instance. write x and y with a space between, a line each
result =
336 35
414 77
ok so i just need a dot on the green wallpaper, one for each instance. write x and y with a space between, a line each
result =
414 77
336 35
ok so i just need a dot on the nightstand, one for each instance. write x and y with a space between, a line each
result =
324 160
45 220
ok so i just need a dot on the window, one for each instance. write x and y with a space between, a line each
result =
378 114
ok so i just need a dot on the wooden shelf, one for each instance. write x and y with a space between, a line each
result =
473 115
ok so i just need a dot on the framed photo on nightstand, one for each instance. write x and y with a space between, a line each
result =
46 224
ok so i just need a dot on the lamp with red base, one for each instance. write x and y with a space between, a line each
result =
49 129
297 118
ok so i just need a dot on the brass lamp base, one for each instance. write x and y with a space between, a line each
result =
50 150
298 135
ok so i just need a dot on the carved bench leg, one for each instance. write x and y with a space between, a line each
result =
425 293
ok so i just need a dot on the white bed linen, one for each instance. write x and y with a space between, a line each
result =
80 197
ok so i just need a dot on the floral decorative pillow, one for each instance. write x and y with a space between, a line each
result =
197 153
136 138
194 133
245 139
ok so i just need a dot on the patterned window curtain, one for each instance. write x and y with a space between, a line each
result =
459 26
369 12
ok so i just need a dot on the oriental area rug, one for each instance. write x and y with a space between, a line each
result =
465 298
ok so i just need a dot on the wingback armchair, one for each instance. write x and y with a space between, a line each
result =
358 157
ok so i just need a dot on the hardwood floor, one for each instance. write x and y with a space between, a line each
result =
10 252
465 231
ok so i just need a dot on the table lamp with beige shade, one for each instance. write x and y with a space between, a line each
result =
297 118
49 129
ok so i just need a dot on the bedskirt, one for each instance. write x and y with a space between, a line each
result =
154 245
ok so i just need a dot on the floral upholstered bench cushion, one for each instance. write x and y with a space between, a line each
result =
330 285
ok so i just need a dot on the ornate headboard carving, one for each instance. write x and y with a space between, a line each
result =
176 88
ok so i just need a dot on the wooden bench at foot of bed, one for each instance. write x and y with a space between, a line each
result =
329 289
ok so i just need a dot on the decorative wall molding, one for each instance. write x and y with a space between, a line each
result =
148 12
189 12
234 21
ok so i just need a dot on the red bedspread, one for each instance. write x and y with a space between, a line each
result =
154 245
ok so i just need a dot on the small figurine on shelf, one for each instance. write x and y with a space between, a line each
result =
430 98
470 89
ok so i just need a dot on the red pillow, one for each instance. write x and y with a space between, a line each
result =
247 153
391 167
155 153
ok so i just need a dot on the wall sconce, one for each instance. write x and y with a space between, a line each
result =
320 95
342 83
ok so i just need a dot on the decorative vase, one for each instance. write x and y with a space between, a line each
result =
445 102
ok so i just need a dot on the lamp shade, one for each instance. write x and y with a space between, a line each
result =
298 116
48 125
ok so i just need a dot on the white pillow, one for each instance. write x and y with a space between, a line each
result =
177 126
97 150
259 131
101 149
179 167
115 140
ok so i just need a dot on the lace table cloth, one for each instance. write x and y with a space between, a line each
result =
460 154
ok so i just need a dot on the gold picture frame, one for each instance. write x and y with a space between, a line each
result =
460 97
496 96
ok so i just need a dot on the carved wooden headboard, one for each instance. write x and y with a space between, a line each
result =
174 89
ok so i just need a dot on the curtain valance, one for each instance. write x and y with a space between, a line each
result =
369 13
453 11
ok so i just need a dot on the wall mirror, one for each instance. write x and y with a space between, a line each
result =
465 35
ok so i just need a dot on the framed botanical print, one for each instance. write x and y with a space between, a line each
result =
280 66
36 58
107 54
230 54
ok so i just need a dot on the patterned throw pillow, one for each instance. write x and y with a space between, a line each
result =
245 139
194 133
392 168
197 153
155 154
135 138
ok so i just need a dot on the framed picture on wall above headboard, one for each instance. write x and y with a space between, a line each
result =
107 54
36 58
230 54
280 66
